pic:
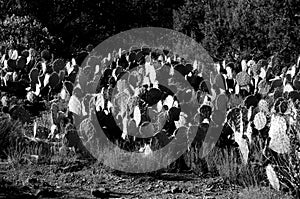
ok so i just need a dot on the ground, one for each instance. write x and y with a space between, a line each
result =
77 180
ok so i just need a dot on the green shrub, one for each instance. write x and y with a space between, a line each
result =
24 31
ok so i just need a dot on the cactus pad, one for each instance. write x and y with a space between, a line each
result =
69 87
58 65
54 80
86 130
263 106
243 79
260 121
280 141
34 75
272 177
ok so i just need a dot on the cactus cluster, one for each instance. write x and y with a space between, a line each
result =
128 94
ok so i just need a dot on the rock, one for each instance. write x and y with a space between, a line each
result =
25 188
149 188
73 168
166 191
46 184
63 151
175 189
189 191
42 132
120 181
100 193
46 193
4 181
37 173
4 101
32 180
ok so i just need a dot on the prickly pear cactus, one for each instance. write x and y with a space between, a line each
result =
21 62
280 141
83 80
54 80
263 106
33 75
132 127
54 113
91 87
58 65
234 101
283 106
71 138
243 78
75 105
137 115
18 112
161 119
69 87
277 103
89 71
236 119
244 148
235 116
272 177
146 130
221 102
61 75
121 101
260 121
263 88
86 130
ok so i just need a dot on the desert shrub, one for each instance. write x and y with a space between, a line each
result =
227 163
249 28
11 135
24 31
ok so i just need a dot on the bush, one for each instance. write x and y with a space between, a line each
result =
250 28
10 133
24 32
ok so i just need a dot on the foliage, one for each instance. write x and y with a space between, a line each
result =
224 28
10 133
79 22
245 27
24 31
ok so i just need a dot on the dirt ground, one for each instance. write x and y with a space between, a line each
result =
81 181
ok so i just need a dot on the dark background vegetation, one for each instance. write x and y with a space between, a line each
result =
253 28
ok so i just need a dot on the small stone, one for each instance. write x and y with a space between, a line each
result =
25 188
165 191
100 193
121 181
149 188
36 186
46 184
32 180
37 173
46 193
175 189
188 191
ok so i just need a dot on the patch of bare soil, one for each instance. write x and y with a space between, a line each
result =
75 181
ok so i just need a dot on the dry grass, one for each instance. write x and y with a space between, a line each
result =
10 133
262 193
133 162
228 165
17 148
